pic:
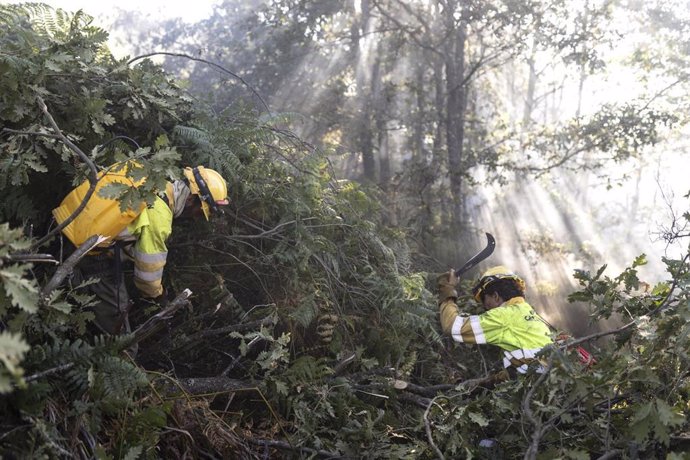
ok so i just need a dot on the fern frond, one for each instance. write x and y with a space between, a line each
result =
116 378
194 135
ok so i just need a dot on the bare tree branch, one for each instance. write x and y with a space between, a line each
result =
157 321
429 434
286 446
67 267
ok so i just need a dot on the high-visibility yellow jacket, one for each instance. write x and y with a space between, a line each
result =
148 227
513 326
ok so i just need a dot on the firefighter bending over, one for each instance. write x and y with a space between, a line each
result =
142 233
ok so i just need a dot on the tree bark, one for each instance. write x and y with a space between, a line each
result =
456 99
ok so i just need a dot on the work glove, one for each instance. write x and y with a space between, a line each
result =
446 285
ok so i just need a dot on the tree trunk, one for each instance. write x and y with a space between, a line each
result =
531 85
455 108
363 115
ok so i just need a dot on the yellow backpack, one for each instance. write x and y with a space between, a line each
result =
101 216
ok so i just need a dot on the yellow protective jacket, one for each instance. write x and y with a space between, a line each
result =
148 227
101 215
513 326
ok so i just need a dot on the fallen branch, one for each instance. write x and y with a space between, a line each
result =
201 335
207 385
414 399
429 434
67 268
30 258
285 446
151 326
158 321
539 428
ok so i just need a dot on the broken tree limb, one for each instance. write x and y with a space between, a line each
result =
286 446
30 258
206 385
67 267
157 322
202 335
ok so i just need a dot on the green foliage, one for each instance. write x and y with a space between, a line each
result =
62 58
12 351
296 245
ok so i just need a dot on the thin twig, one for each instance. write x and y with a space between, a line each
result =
92 176
207 333
664 305
51 371
286 446
212 64
533 449
427 425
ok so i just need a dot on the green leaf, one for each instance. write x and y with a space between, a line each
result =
640 260
161 141
281 388
22 291
12 351
667 415
133 453
477 418
62 306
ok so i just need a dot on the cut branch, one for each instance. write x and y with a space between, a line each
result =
157 322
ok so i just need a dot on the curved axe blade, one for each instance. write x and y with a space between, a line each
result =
481 255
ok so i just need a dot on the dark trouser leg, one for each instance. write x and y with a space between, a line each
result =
110 291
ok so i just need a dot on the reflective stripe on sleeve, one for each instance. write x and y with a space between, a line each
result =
520 360
456 329
477 329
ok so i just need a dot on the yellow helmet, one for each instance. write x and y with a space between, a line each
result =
494 274
209 186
